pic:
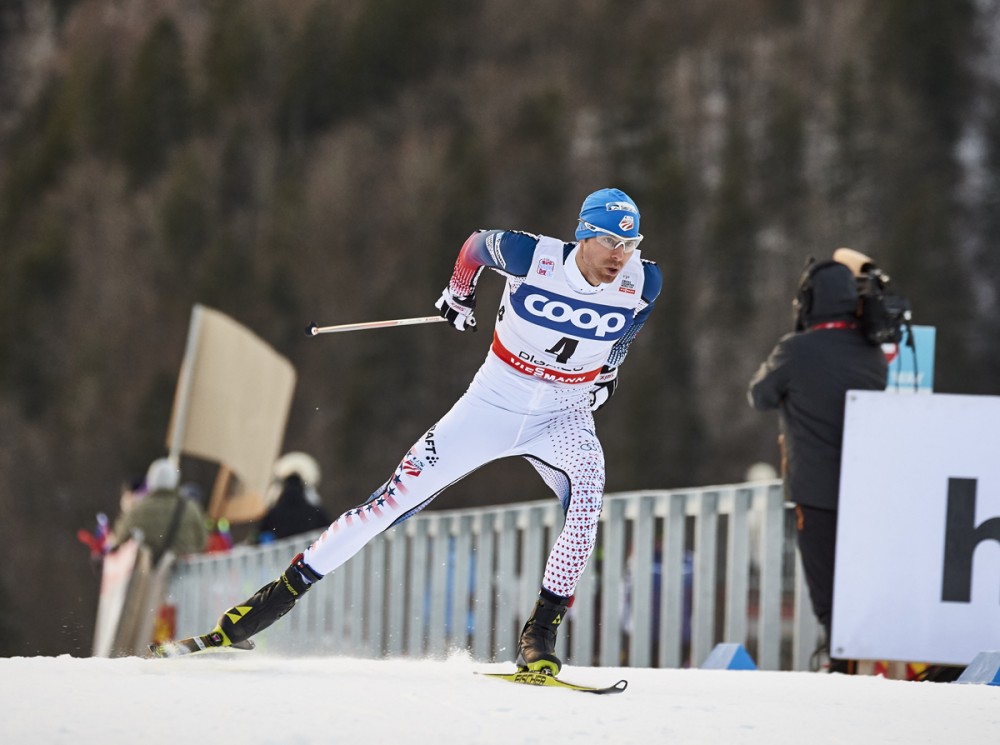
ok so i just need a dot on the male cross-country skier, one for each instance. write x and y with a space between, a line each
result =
567 317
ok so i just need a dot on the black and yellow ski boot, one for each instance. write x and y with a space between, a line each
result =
267 605
537 645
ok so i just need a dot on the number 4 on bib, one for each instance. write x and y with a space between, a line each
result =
563 349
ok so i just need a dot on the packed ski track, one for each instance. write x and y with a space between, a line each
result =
252 698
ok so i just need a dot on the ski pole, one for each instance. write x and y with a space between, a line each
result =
312 329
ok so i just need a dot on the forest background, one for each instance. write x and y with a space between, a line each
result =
261 156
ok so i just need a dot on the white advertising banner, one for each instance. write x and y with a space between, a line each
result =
918 536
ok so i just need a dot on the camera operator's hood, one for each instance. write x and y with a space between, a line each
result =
834 295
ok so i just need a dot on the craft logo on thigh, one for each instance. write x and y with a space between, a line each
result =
431 447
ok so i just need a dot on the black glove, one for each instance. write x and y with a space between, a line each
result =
457 310
605 386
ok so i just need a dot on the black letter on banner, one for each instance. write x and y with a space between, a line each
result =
961 536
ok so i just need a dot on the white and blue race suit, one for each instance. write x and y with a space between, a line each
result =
554 335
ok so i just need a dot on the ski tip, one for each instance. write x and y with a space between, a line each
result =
164 649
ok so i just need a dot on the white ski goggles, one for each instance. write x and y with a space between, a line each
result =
611 241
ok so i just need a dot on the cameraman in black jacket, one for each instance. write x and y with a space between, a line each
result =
806 377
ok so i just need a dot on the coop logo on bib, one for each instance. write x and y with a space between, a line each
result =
569 316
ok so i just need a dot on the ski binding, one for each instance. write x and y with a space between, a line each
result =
213 642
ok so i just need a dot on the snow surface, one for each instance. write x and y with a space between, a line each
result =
249 698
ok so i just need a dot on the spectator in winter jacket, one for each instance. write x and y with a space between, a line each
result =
294 503
806 378
166 520
292 514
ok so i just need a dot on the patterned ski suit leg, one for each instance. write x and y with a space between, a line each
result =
569 458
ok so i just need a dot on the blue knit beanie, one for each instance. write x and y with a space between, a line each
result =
610 209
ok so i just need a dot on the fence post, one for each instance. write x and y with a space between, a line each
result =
485 595
703 601
582 616
772 545
397 590
438 585
738 568
612 571
532 555
463 559
418 587
672 615
356 608
642 574
507 584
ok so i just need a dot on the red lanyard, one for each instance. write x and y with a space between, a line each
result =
834 325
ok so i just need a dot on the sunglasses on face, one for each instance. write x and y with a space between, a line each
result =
607 239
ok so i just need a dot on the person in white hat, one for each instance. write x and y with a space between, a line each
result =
294 505
163 517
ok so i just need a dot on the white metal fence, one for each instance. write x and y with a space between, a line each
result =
674 573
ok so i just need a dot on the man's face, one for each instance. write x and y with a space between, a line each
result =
598 264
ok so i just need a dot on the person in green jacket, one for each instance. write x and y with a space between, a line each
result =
164 518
